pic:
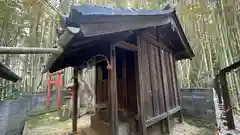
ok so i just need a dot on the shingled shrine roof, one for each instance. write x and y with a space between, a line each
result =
98 24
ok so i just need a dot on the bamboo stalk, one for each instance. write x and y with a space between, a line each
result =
29 50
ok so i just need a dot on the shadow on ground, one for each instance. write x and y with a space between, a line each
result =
193 127
49 124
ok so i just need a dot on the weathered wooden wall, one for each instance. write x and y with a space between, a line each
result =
126 84
152 93
158 83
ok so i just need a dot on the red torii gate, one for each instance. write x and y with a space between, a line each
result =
58 81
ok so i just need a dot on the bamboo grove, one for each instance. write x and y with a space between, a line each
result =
211 26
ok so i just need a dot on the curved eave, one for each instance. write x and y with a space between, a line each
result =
7 74
77 54
229 68
188 53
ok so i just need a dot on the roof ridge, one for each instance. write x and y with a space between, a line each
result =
106 10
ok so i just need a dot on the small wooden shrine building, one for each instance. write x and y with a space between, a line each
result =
136 52
7 74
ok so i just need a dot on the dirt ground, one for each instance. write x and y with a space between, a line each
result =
48 124
187 129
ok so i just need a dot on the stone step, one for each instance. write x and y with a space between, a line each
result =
88 131
103 128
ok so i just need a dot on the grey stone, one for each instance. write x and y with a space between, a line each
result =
14 113
198 104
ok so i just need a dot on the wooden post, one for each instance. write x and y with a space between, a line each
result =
124 77
59 90
227 101
49 93
178 91
112 89
75 101
140 90
166 126
217 89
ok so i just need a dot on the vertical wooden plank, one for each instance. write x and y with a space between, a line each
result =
131 82
97 85
99 89
164 61
160 81
102 90
113 91
170 82
147 85
174 80
227 101
119 93
153 79
75 101
104 93
165 81
178 89
140 88
100 84
124 77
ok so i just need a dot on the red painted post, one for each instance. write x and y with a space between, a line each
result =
53 82
59 92
49 93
